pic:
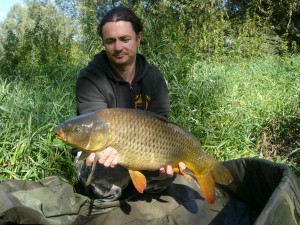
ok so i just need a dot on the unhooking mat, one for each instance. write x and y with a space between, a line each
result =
262 193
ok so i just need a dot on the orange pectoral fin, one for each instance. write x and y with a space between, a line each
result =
207 186
138 180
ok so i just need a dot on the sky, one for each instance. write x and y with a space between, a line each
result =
5 6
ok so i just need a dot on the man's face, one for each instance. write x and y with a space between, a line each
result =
121 43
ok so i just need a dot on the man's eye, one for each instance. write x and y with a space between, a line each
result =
109 42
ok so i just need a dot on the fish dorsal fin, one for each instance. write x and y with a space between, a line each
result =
164 119
138 180
149 114
155 115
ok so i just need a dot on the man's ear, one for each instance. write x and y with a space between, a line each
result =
139 37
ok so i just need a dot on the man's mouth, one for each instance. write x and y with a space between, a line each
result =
119 55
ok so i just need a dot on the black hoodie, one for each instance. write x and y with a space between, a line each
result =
100 86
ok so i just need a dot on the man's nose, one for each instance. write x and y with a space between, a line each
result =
118 45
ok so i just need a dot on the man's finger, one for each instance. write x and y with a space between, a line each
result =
110 157
182 166
90 159
114 162
162 169
105 156
169 170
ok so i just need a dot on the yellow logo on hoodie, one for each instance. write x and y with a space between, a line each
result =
138 104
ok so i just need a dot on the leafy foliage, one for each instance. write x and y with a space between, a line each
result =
36 35
201 28
283 16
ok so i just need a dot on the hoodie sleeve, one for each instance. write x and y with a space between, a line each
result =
88 96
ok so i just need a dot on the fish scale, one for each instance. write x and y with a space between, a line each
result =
149 141
144 141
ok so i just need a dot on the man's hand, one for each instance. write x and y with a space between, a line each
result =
110 158
169 170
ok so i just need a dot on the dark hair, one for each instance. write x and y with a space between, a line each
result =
121 13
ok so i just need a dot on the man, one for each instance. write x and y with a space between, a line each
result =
119 77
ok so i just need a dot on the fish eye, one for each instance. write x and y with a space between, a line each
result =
77 129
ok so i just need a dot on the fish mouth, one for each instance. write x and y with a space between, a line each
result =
59 134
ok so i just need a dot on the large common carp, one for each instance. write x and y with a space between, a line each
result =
144 141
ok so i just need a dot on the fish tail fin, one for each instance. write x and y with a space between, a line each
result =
221 174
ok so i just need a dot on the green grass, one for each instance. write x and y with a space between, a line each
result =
28 114
237 109
243 109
